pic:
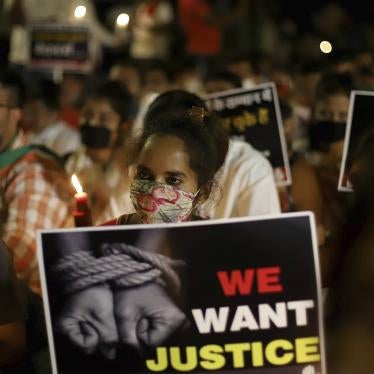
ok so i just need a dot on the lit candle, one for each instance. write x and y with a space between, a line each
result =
82 214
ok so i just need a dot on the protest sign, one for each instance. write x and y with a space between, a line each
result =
254 115
224 296
360 123
61 46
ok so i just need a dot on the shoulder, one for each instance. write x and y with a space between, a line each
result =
36 162
243 156
242 151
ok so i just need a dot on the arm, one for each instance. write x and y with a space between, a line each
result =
37 198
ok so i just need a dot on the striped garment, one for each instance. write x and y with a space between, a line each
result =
35 194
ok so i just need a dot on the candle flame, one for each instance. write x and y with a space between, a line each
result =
75 182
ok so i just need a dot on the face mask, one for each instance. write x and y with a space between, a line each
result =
95 136
158 202
323 133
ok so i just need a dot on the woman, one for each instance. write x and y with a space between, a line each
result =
100 163
315 178
173 167
173 170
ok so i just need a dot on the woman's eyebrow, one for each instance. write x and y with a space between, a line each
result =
140 166
176 173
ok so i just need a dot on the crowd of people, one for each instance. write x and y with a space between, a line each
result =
141 129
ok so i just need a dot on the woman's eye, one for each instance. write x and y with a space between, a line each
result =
174 181
141 174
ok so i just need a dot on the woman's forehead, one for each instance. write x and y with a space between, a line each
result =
163 153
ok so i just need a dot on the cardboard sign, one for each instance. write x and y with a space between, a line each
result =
60 46
254 115
359 122
212 296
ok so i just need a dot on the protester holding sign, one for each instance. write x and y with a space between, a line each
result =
327 130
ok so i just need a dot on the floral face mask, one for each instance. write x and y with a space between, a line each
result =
158 202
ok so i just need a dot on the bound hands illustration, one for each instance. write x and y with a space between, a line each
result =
100 319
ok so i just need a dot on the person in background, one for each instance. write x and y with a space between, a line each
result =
187 77
203 26
305 81
158 77
151 28
40 114
35 193
100 163
245 181
127 72
318 182
72 92
221 80
241 65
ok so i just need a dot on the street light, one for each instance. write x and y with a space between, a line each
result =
325 46
123 20
80 11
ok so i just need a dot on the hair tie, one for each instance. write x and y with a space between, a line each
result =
198 113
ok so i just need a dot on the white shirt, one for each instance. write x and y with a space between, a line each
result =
247 185
59 137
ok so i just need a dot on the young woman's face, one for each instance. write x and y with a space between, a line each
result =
163 159
98 112
334 109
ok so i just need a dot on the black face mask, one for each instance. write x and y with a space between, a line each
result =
323 133
95 136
